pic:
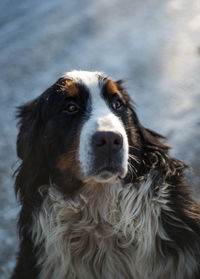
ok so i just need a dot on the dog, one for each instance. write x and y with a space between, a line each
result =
100 196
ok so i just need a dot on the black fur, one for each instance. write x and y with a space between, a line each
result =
45 133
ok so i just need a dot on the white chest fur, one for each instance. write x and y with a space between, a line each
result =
108 233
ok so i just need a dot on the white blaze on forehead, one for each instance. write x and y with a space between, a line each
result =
101 119
90 79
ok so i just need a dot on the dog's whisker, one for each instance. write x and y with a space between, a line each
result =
134 158
134 147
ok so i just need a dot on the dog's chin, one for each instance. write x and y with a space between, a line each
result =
107 175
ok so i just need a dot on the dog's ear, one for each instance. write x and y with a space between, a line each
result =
29 120
153 139
149 137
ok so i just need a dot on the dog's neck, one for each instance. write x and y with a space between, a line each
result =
113 229
108 219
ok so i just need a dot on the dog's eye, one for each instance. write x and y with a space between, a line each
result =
117 104
71 108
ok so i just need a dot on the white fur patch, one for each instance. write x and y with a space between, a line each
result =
107 231
101 119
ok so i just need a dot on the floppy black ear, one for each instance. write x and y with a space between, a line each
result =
153 139
31 172
153 150
29 121
149 136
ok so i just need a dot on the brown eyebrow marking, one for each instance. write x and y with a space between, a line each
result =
71 88
111 88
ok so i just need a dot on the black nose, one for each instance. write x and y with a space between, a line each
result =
107 141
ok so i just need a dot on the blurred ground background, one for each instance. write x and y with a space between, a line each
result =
154 45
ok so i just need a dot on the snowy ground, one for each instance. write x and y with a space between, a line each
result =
154 45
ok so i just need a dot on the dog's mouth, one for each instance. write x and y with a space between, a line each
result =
107 174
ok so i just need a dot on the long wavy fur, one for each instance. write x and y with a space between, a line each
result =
145 226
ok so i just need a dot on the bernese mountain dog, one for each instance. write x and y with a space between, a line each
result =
100 196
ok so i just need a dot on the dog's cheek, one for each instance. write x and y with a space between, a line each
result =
67 174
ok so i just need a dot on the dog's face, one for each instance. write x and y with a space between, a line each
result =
102 140
82 128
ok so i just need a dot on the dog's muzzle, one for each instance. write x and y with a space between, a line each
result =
108 154
103 149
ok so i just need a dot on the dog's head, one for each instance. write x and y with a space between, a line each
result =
82 128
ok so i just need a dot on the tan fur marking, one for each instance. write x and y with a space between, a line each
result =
111 88
71 88
69 168
65 161
70 160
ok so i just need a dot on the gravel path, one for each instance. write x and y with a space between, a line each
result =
154 45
